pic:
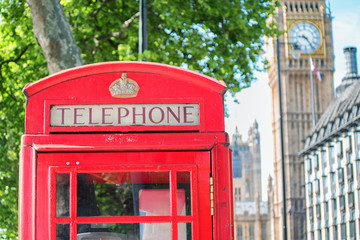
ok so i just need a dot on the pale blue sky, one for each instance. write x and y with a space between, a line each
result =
255 102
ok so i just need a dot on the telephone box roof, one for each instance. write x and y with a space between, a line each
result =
122 89
126 66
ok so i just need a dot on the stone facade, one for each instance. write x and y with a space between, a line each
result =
332 164
297 109
251 214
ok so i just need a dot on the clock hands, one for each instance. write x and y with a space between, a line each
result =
304 37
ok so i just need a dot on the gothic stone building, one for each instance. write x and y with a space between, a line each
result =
307 26
250 212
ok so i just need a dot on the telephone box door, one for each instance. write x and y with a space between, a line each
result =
123 195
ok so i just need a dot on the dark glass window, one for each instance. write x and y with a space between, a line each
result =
335 233
326 208
333 126
331 155
343 231
334 206
339 149
63 231
308 165
251 232
349 171
122 193
324 158
342 202
351 199
316 162
62 196
349 116
347 142
263 232
239 232
309 188
318 211
317 186
352 230
357 137
325 184
341 175
333 179
327 234
341 121
237 164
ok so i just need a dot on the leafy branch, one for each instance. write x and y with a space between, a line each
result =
14 60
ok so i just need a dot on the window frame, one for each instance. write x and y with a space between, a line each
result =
193 162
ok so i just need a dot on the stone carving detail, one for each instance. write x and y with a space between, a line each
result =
124 87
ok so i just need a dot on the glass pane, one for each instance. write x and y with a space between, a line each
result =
142 231
62 232
62 194
183 193
107 231
152 231
184 231
123 194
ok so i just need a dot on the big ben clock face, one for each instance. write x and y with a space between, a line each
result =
305 36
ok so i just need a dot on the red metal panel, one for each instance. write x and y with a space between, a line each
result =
173 205
52 199
42 204
113 67
27 193
223 217
73 204
125 142
50 163
158 84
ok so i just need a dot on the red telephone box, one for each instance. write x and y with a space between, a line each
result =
125 150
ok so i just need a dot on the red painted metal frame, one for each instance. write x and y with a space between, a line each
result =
77 145
173 218
158 84
195 164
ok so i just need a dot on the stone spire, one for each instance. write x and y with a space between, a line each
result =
236 138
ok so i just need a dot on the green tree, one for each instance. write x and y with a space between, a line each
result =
222 39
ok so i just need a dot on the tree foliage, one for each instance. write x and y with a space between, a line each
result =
221 39
21 61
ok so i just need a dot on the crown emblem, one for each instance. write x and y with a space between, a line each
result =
124 87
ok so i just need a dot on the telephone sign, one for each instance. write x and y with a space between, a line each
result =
125 115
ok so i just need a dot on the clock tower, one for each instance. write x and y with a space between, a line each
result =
306 25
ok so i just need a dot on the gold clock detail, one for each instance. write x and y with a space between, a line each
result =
305 36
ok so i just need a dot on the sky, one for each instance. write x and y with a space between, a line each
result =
255 102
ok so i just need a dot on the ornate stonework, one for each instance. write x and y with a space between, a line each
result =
297 109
